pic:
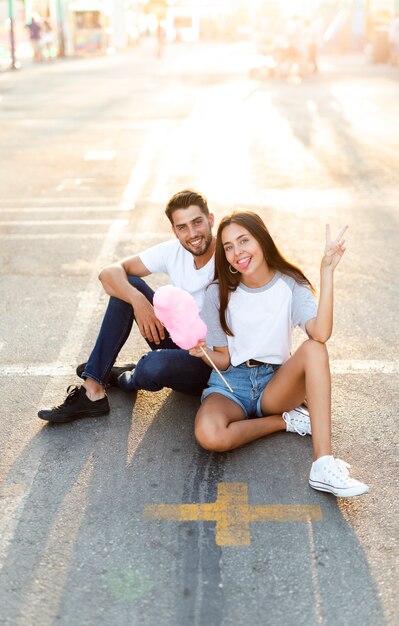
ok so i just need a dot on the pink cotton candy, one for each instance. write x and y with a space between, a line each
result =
178 312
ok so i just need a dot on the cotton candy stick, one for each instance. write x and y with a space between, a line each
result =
218 371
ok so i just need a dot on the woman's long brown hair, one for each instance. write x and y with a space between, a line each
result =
229 282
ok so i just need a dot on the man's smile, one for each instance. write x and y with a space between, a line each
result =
195 242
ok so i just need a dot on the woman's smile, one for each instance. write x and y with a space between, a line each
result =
243 263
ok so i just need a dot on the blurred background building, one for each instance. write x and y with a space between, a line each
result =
85 27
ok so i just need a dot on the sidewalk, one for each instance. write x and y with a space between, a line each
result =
346 63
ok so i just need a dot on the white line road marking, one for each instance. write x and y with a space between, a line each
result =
358 366
63 209
100 155
10 516
49 369
140 173
57 199
110 235
63 368
66 122
59 222
71 183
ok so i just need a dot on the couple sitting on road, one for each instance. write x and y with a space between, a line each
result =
250 297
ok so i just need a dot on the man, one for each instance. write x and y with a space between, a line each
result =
189 262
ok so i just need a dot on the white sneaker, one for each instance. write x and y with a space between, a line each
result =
298 421
332 475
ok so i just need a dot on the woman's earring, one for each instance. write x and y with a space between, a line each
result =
233 271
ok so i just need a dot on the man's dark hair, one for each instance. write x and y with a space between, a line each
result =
184 199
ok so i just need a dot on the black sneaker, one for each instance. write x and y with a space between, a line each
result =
75 406
115 372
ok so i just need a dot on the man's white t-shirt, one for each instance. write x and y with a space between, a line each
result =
172 259
261 319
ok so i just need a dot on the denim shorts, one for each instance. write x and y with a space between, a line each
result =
248 384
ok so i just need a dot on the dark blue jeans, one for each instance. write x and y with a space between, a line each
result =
166 365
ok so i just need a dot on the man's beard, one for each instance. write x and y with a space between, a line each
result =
203 249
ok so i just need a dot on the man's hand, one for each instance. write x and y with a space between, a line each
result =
149 325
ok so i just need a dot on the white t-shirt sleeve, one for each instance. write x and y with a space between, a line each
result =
304 305
172 259
156 258
216 337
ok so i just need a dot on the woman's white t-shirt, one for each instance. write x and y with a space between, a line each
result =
261 319
171 258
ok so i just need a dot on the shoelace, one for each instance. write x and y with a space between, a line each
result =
297 427
72 391
343 467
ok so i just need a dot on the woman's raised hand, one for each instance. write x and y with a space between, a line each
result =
334 249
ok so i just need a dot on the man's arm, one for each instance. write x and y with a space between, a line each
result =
115 283
114 277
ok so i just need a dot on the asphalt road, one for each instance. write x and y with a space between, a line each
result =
90 152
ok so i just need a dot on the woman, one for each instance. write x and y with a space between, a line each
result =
250 310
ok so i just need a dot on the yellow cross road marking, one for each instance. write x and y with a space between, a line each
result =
233 513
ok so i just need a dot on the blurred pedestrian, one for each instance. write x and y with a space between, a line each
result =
35 35
47 41
312 35
161 38
189 261
295 51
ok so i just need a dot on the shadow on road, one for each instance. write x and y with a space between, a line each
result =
82 551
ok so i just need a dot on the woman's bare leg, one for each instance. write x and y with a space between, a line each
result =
220 425
306 373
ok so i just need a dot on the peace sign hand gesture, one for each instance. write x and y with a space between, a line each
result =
333 250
